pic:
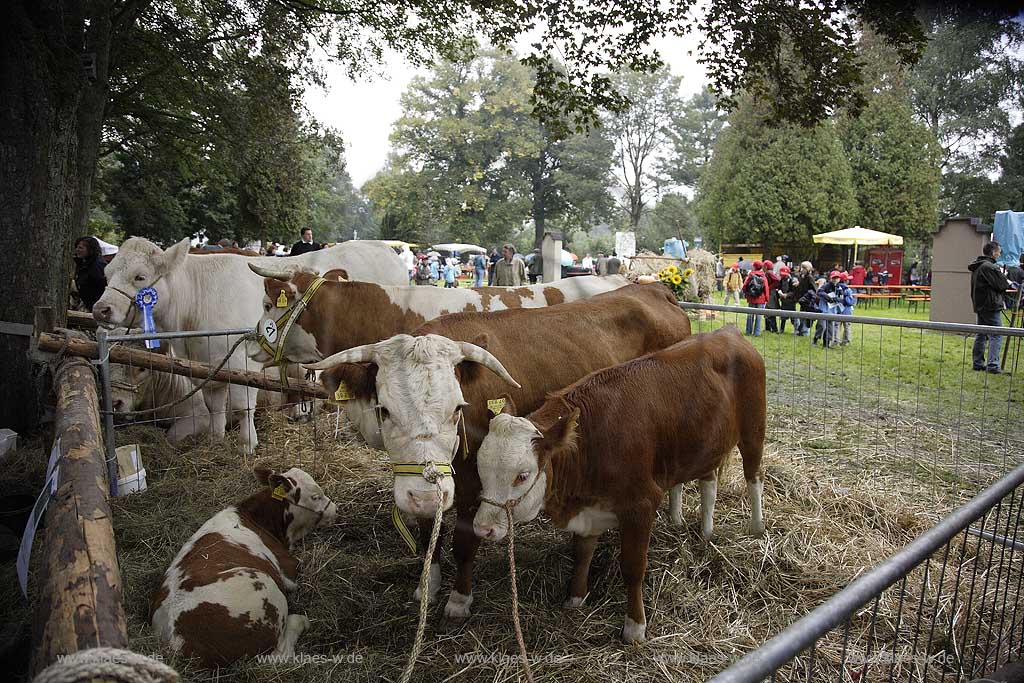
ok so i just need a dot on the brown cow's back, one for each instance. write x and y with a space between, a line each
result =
674 414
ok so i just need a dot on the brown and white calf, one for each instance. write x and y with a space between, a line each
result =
223 597
450 370
601 453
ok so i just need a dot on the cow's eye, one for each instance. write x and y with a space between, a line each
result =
521 479
266 308
140 278
317 497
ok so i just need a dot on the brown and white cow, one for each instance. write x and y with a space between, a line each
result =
424 383
601 453
223 597
342 315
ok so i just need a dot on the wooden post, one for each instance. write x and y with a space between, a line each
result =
178 366
80 591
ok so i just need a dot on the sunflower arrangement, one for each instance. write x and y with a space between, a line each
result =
677 281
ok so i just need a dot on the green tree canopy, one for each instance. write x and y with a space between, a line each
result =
692 134
781 183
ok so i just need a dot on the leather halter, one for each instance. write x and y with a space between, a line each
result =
285 322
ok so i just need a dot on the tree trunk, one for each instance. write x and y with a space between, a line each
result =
539 200
41 79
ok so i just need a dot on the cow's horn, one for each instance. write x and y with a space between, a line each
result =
358 354
269 272
482 356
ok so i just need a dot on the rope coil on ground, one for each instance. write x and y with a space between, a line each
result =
107 663
433 475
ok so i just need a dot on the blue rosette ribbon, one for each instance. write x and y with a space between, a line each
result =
146 299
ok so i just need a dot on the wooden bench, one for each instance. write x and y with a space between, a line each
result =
868 298
915 300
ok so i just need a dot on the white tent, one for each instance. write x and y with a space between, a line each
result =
461 248
857 236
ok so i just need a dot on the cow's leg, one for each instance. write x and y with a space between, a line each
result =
464 546
243 403
583 552
675 504
708 494
216 398
636 536
426 526
294 625
751 449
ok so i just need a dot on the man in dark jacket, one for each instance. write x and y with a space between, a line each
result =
306 244
987 287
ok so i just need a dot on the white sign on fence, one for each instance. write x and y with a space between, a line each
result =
49 489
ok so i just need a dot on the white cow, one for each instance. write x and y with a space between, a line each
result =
218 292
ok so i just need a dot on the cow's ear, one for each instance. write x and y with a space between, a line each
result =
275 479
503 405
263 475
561 434
174 257
360 379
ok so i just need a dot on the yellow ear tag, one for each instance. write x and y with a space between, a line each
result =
342 393
495 405
282 300
278 493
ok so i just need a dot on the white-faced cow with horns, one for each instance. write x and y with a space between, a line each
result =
432 391
601 454
310 317
219 292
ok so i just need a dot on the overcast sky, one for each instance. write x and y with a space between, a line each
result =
364 111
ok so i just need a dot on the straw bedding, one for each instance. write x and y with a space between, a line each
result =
829 517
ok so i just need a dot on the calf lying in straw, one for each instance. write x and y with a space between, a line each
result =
601 453
223 597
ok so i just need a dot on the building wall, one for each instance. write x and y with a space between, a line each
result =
957 242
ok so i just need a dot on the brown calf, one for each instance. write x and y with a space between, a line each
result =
601 453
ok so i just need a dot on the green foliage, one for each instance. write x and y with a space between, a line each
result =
895 166
692 134
640 132
1013 170
673 216
780 183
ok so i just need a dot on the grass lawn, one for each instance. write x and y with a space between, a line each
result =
912 392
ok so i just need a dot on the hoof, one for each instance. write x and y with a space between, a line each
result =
458 606
573 603
633 632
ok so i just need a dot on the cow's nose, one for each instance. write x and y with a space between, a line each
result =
422 505
102 313
485 532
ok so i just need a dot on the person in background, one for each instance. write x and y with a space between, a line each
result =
808 304
494 258
733 285
451 274
847 300
479 270
787 295
914 274
828 302
422 276
306 244
987 287
770 324
536 266
777 266
509 271
1016 273
857 274
755 289
719 273
90 281
408 260
870 278
614 264
587 262
435 271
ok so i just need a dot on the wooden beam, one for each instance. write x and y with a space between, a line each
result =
178 366
80 320
80 602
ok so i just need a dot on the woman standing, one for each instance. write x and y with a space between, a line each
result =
89 278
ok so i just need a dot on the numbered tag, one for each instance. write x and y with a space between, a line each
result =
269 330
278 493
342 394
282 300
495 405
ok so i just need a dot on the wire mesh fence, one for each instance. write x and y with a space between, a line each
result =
945 607
144 393
901 390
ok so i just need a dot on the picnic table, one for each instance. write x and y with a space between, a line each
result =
912 294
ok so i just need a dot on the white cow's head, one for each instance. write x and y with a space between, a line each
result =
419 401
139 263
513 465
308 506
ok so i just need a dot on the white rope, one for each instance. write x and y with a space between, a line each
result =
431 474
107 663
